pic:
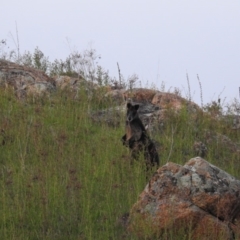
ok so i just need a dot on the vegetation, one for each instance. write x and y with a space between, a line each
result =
64 176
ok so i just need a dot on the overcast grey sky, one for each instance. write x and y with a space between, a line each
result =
158 40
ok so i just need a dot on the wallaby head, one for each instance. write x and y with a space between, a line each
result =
132 112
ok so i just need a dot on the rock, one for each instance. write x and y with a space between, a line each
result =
200 149
74 83
140 95
39 88
116 95
110 116
30 81
170 100
197 200
155 104
224 141
148 113
24 80
161 99
65 81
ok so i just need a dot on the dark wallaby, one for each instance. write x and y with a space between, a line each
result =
136 137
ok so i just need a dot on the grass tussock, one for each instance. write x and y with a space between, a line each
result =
64 176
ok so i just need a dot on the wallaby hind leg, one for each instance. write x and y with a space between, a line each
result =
124 140
151 154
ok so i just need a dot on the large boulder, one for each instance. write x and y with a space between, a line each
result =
24 80
74 83
140 94
173 101
197 201
155 106
148 113
164 100
116 95
30 81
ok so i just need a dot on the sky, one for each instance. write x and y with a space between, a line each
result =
159 40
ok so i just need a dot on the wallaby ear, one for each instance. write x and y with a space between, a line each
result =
136 106
129 105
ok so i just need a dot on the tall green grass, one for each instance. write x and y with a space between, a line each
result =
63 176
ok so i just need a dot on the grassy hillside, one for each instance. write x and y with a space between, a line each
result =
64 177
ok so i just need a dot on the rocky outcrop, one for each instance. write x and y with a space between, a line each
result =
112 116
164 100
153 109
197 199
30 81
74 83
116 95
170 100
140 94
24 80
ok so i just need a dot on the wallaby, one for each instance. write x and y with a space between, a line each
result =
137 139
